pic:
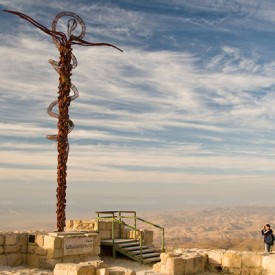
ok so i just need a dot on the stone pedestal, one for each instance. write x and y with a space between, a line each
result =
74 247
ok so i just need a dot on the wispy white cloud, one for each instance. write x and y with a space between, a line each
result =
151 114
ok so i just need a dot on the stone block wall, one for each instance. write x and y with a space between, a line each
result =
45 250
105 230
81 225
103 227
192 261
147 235
13 248
181 262
48 250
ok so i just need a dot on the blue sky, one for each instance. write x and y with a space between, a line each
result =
183 118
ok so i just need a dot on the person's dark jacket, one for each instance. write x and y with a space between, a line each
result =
266 233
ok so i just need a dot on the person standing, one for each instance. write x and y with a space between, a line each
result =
267 232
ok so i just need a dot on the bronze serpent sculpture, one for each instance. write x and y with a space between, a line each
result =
67 62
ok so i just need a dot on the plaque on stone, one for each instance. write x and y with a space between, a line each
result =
78 245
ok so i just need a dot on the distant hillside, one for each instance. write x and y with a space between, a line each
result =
235 228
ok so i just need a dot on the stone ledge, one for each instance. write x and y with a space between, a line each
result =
192 261
90 268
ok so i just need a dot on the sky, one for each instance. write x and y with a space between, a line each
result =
183 118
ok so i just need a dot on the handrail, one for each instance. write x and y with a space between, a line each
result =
117 216
111 212
125 224
158 226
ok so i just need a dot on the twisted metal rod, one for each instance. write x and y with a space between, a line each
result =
67 62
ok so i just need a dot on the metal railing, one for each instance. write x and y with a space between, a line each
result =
118 216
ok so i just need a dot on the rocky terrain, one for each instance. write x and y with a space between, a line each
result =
236 228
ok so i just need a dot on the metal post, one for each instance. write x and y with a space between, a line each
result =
162 240
119 217
113 235
135 222
97 219
140 244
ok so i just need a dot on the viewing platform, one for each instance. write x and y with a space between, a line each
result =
120 237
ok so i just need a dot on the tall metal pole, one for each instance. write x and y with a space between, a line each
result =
67 62
64 101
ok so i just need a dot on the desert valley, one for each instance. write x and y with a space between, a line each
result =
236 228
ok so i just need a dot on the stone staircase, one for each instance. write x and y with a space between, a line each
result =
126 238
131 249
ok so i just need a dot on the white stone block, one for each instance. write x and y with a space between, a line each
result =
23 238
232 260
52 242
148 236
164 256
102 271
238 271
12 248
125 233
215 257
199 263
175 266
74 269
77 225
251 260
39 240
41 251
189 267
268 264
54 253
11 239
89 225
157 267
14 259
69 224
86 269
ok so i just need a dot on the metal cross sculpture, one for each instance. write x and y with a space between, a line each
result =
67 62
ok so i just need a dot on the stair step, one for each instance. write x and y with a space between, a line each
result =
128 244
149 255
121 241
134 248
152 260
149 250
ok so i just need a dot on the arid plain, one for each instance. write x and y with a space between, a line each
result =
236 228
